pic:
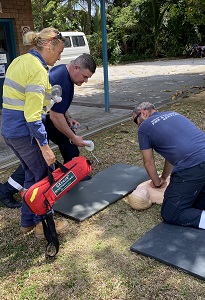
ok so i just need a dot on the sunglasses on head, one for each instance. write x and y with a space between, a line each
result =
57 37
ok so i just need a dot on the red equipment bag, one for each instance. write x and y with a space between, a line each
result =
41 196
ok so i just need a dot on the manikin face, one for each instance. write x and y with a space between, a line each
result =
80 75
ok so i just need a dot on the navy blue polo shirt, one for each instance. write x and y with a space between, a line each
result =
60 75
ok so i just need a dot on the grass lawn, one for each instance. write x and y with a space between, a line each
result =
95 261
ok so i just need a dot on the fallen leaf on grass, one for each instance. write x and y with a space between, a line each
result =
124 131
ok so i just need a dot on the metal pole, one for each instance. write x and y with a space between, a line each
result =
104 52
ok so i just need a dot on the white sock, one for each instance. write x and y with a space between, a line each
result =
202 220
14 184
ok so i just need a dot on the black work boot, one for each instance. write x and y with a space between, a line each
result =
10 202
7 200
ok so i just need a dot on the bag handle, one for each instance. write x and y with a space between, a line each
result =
63 169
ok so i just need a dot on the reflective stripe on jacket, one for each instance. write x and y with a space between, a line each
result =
26 87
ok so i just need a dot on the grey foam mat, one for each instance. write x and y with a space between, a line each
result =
89 197
178 246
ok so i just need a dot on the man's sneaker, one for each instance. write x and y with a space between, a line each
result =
9 202
61 227
27 229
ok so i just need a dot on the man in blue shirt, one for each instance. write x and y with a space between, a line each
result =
58 123
182 145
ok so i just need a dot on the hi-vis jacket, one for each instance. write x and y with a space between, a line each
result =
26 93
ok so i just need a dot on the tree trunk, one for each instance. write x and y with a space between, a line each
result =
89 18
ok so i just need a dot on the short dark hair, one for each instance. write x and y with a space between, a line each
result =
85 61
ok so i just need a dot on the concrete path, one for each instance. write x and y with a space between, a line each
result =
160 82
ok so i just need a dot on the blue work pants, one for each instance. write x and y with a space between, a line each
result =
35 168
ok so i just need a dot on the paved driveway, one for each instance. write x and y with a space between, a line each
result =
156 81
159 81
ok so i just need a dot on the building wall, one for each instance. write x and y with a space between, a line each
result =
21 12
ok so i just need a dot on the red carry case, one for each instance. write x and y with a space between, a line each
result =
41 196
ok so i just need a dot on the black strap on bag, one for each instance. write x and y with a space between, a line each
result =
50 234
63 169
48 221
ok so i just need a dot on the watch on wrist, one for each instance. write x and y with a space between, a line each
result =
158 186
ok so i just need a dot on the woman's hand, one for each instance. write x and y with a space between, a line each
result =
48 155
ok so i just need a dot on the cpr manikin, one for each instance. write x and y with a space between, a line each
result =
145 195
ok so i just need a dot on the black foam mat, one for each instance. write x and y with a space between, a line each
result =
178 246
89 197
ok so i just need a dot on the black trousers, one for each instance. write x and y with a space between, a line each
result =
67 149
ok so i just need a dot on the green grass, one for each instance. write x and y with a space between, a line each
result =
95 261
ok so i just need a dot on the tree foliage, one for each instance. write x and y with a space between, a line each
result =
136 29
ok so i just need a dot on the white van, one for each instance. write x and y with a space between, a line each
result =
75 45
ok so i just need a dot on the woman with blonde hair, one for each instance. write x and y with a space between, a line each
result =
26 93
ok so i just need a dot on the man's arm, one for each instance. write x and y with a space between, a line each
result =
149 163
167 170
61 124
72 122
